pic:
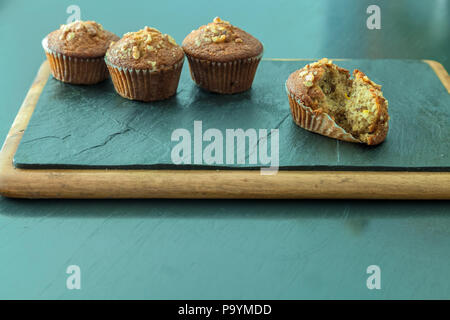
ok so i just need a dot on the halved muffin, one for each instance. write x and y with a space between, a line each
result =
324 99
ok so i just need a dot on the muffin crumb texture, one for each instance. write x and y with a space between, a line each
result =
357 105
145 49
83 39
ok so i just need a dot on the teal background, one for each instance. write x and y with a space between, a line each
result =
226 249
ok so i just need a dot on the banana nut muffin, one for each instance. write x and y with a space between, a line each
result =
222 57
145 65
76 52
324 99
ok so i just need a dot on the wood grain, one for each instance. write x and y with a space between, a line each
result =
441 73
97 184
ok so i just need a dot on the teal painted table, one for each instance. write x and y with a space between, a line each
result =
227 249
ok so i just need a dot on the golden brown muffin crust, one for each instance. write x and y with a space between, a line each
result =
381 126
146 49
81 39
221 42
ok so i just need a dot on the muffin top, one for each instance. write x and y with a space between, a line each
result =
145 49
81 39
222 42
305 83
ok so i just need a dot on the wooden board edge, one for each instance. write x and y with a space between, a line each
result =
225 184
8 174
440 72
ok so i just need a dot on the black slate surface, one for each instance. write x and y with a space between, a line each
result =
93 127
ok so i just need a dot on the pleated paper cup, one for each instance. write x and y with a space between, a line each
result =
224 77
320 123
146 85
75 70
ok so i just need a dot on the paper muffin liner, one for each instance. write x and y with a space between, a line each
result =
224 77
75 70
319 123
146 85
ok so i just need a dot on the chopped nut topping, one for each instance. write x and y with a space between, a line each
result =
218 20
148 29
136 54
218 31
143 46
172 40
309 77
218 39
323 61
93 29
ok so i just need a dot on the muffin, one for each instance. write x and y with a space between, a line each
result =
145 65
324 99
222 58
76 52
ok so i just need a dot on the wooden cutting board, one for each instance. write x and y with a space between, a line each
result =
87 142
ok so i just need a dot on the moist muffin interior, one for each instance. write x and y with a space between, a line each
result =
350 102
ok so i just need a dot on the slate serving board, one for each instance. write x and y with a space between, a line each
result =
93 127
